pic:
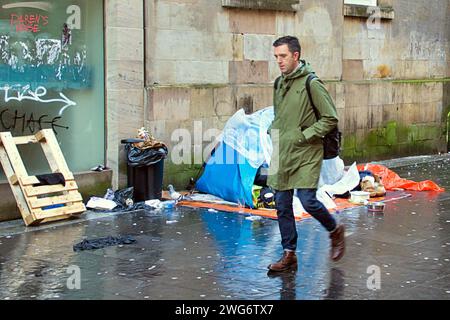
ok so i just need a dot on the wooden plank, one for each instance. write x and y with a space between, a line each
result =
30 221
40 136
27 215
25 140
32 180
73 192
13 179
58 218
24 192
53 152
29 181
37 191
48 201
76 208
13 155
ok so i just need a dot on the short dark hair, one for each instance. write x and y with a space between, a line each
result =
292 42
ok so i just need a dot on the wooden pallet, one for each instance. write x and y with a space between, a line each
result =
33 202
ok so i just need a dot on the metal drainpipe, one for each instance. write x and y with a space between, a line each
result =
105 88
448 132
144 43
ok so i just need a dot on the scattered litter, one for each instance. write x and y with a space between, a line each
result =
109 195
101 204
152 267
170 204
157 204
99 168
171 222
212 210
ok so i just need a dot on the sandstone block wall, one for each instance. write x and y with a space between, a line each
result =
191 63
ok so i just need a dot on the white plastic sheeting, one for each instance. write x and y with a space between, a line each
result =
348 182
332 171
247 134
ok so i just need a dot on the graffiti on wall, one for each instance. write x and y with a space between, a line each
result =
57 62
20 93
23 121
44 61
28 22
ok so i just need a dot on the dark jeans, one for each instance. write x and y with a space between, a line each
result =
285 212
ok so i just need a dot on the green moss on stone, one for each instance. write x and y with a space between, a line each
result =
448 129
391 133
179 175
95 190
393 140
421 81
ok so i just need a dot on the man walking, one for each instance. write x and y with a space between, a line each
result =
300 148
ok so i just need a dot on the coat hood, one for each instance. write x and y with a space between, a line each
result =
304 70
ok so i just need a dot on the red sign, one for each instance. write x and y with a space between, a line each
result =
28 22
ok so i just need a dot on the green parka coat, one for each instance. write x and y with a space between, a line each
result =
297 147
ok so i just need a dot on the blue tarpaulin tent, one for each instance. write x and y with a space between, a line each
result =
243 148
229 180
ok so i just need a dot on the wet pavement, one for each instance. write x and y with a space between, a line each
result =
195 254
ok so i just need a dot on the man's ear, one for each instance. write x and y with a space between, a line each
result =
297 56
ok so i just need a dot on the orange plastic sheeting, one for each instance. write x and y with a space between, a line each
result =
267 213
392 181
341 204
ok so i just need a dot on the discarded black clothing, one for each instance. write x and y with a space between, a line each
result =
94 244
50 179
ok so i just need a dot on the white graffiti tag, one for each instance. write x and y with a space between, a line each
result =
36 5
21 93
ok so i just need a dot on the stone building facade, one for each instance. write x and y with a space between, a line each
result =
387 69
171 64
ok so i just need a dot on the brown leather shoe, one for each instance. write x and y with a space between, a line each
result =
337 243
288 261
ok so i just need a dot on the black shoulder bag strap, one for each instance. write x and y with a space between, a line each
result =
276 83
332 140
311 77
